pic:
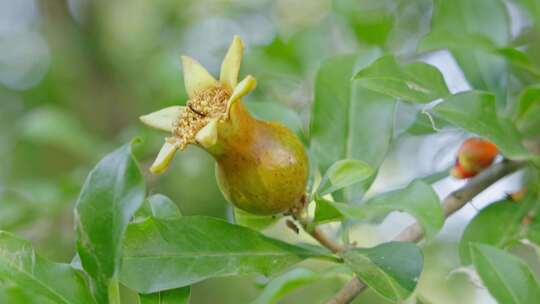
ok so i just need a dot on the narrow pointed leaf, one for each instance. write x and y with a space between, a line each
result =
113 191
508 278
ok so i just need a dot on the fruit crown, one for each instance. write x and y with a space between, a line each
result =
209 102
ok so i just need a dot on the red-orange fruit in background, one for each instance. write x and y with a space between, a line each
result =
474 155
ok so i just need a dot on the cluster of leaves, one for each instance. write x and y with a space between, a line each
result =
144 243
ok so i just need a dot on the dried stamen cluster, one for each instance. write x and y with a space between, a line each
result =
200 109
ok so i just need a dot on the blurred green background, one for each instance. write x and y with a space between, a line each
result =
76 74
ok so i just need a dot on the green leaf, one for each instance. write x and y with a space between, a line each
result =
20 265
476 112
417 199
159 206
283 284
256 222
486 226
348 121
166 254
508 278
416 82
173 296
528 111
487 18
344 173
113 191
391 269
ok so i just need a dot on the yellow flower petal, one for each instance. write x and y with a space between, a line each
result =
242 89
162 119
164 157
207 136
230 68
196 77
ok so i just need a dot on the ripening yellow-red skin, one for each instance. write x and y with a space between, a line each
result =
474 155
262 167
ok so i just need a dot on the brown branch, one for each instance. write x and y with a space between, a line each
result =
453 202
301 216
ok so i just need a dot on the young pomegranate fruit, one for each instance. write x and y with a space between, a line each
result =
474 155
262 167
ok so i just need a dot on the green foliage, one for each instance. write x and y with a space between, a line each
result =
165 254
59 283
357 115
486 227
476 112
415 82
112 193
482 18
371 24
355 62
418 199
253 221
291 280
343 173
391 269
507 277
528 111
159 206
51 126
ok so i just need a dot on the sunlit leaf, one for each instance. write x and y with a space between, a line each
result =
113 191
166 254
60 283
391 269
344 173
508 278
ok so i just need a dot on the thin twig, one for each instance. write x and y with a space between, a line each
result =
316 232
453 202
